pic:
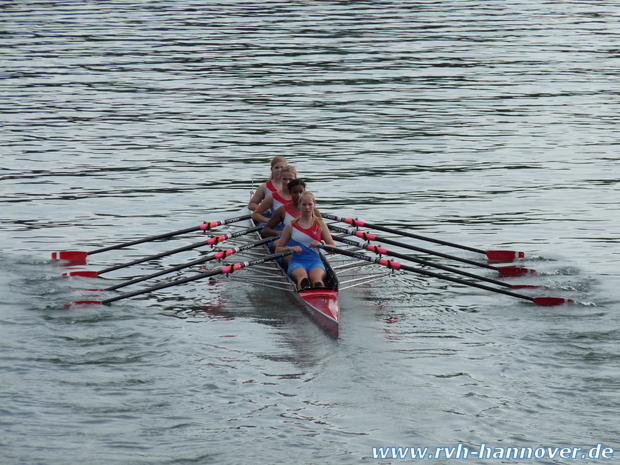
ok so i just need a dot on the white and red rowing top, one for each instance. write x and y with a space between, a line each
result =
270 188
278 201
289 214
305 236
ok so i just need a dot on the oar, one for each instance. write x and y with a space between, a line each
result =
543 301
382 251
216 256
211 241
224 270
493 255
502 270
73 255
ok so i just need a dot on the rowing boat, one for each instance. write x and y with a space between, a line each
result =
343 272
321 304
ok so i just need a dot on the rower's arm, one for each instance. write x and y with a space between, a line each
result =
257 215
286 236
257 197
326 235
275 220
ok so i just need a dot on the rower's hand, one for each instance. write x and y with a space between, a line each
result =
296 248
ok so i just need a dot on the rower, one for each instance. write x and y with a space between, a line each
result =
272 185
275 200
285 213
302 235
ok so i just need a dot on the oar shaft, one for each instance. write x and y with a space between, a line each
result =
152 257
373 237
202 227
359 223
395 265
224 270
210 241
144 239
217 256
382 251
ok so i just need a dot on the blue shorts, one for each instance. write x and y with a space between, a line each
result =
305 260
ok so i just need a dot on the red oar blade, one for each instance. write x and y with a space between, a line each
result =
83 274
504 256
82 303
552 301
528 286
515 271
71 255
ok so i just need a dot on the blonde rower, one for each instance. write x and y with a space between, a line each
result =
275 200
272 185
302 235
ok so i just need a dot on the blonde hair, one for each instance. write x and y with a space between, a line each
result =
275 161
315 219
288 169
